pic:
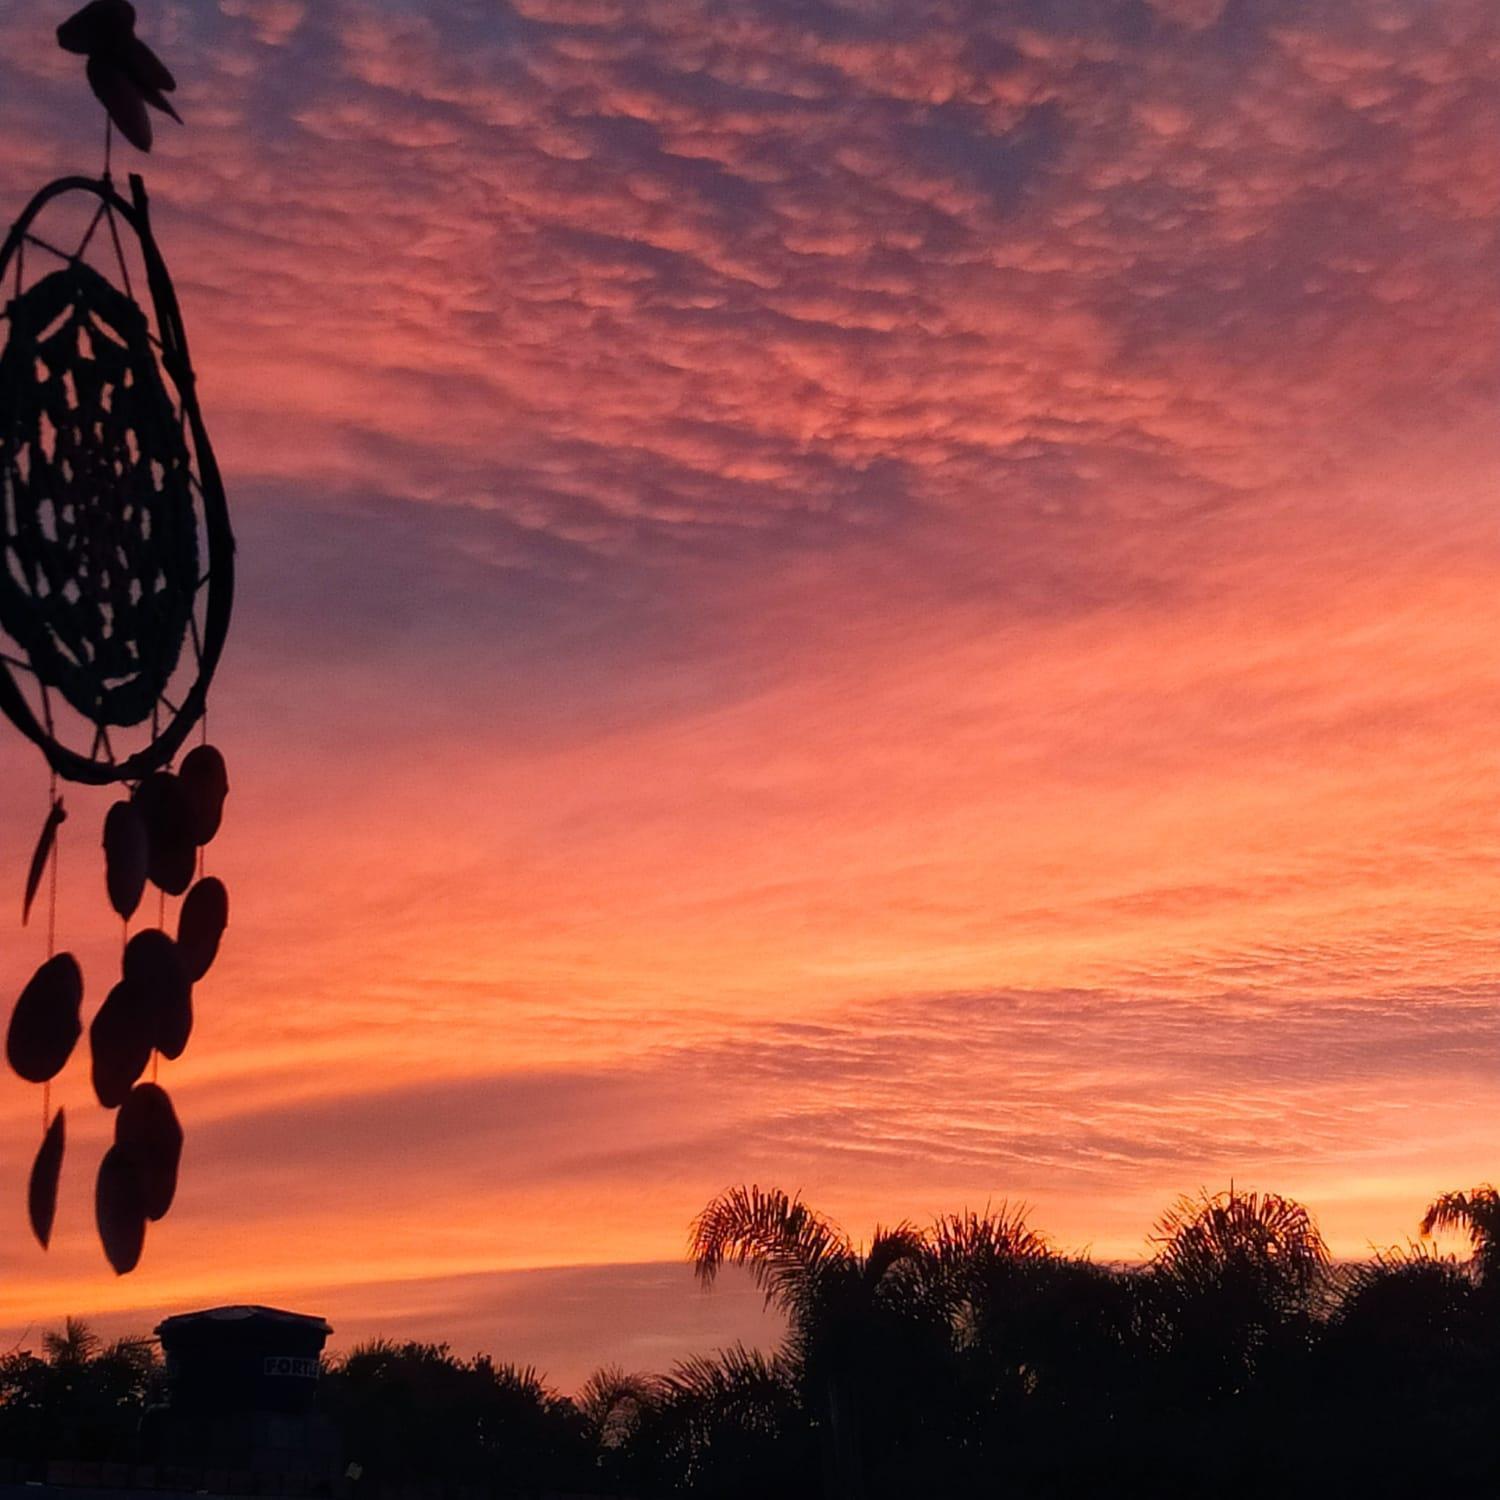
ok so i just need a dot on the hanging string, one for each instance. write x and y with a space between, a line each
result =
161 895
203 740
51 935
52 884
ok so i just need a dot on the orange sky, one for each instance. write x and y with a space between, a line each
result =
893 600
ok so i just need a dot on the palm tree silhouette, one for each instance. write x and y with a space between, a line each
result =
731 1425
831 1291
74 1345
973 1262
1238 1278
613 1403
1403 1319
1476 1215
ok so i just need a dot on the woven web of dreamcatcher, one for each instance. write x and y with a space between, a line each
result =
101 559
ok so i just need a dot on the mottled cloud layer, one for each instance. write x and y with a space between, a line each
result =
897 599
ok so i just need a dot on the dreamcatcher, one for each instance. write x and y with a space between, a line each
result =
116 579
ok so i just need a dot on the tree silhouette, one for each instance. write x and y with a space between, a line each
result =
831 1291
74 1345
613 1404
974 1260
411 1411
731 1425
1404 1320
1476 1215
1406 1361
1236 1282
83 1400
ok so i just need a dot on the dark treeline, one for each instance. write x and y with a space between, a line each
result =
967 1357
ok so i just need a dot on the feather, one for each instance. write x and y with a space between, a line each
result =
44 846
160 101
98 27
41 1190
117 92
147 70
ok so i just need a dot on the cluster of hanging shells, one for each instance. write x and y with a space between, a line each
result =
155 838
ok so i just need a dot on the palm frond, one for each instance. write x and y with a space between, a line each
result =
1476 1214
996 1236
736 1374
709 1408
1260 1250
788 1248
891 1248
521 1380
972 1257
1211 1230
613 1401
76 1344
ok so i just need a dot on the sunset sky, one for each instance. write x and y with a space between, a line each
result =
896 598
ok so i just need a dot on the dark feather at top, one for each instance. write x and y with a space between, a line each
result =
124 73
98 27
147 68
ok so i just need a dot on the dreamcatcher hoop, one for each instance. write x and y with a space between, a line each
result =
199 477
